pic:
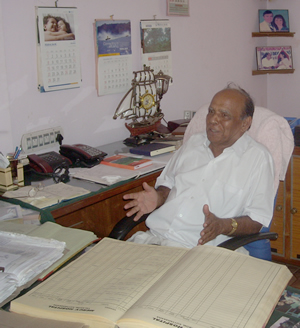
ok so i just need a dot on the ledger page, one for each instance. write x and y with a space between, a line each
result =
104 282
211 287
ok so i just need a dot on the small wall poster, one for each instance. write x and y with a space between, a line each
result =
178 8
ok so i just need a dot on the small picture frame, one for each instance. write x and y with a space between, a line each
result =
274 58
273 20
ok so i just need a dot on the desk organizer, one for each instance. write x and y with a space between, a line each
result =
8 182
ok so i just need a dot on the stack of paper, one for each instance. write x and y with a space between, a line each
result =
22 258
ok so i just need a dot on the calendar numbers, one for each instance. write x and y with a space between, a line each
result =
61 66
114 74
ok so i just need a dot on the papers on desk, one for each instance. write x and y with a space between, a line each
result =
49 195
109 175
15 213
76 239
22 258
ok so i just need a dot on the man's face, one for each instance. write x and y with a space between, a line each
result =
268 18
224 125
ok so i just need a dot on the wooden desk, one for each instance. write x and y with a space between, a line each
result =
100 212
103 208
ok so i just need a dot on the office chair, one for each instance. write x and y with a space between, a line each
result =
274 132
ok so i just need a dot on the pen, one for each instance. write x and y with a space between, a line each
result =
18 153
17 148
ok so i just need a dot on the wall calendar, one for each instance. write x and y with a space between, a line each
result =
57 49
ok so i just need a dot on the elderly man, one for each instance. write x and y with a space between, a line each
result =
216 186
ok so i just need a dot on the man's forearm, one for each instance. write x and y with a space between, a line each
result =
162 195
245 226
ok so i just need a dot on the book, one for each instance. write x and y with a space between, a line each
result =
48 195
152 149
173 140
126 162
179 131
124 284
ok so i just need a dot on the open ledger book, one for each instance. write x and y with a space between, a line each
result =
118 283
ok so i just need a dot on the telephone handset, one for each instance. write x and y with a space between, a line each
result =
48 162
82 155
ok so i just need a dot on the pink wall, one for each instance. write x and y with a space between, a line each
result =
210 48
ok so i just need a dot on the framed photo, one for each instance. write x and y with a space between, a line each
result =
274 20
274 58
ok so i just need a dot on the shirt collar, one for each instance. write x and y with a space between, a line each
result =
239 147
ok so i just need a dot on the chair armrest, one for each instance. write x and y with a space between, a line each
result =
124 226
240 241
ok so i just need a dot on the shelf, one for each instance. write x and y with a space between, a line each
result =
276 34
273 71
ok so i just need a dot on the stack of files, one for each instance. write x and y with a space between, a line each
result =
76 239
23 258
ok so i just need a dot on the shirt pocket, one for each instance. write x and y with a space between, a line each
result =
225 200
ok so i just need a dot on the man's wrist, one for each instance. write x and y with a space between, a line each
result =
234 226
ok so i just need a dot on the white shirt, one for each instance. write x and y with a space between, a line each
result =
268 63
238 182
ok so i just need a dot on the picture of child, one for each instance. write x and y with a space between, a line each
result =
57 29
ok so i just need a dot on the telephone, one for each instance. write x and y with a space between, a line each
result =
82 155
48 162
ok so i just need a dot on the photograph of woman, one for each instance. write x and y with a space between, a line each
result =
57 29
279 24
283 61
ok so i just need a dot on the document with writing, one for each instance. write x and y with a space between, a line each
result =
131 285
48 196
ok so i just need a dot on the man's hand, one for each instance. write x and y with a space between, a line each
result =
212 227
142 202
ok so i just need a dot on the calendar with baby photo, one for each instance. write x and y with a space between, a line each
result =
57 48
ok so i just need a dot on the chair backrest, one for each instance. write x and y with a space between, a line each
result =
268 128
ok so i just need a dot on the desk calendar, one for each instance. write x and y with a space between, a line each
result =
58 49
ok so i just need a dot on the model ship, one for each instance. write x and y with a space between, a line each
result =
141 104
